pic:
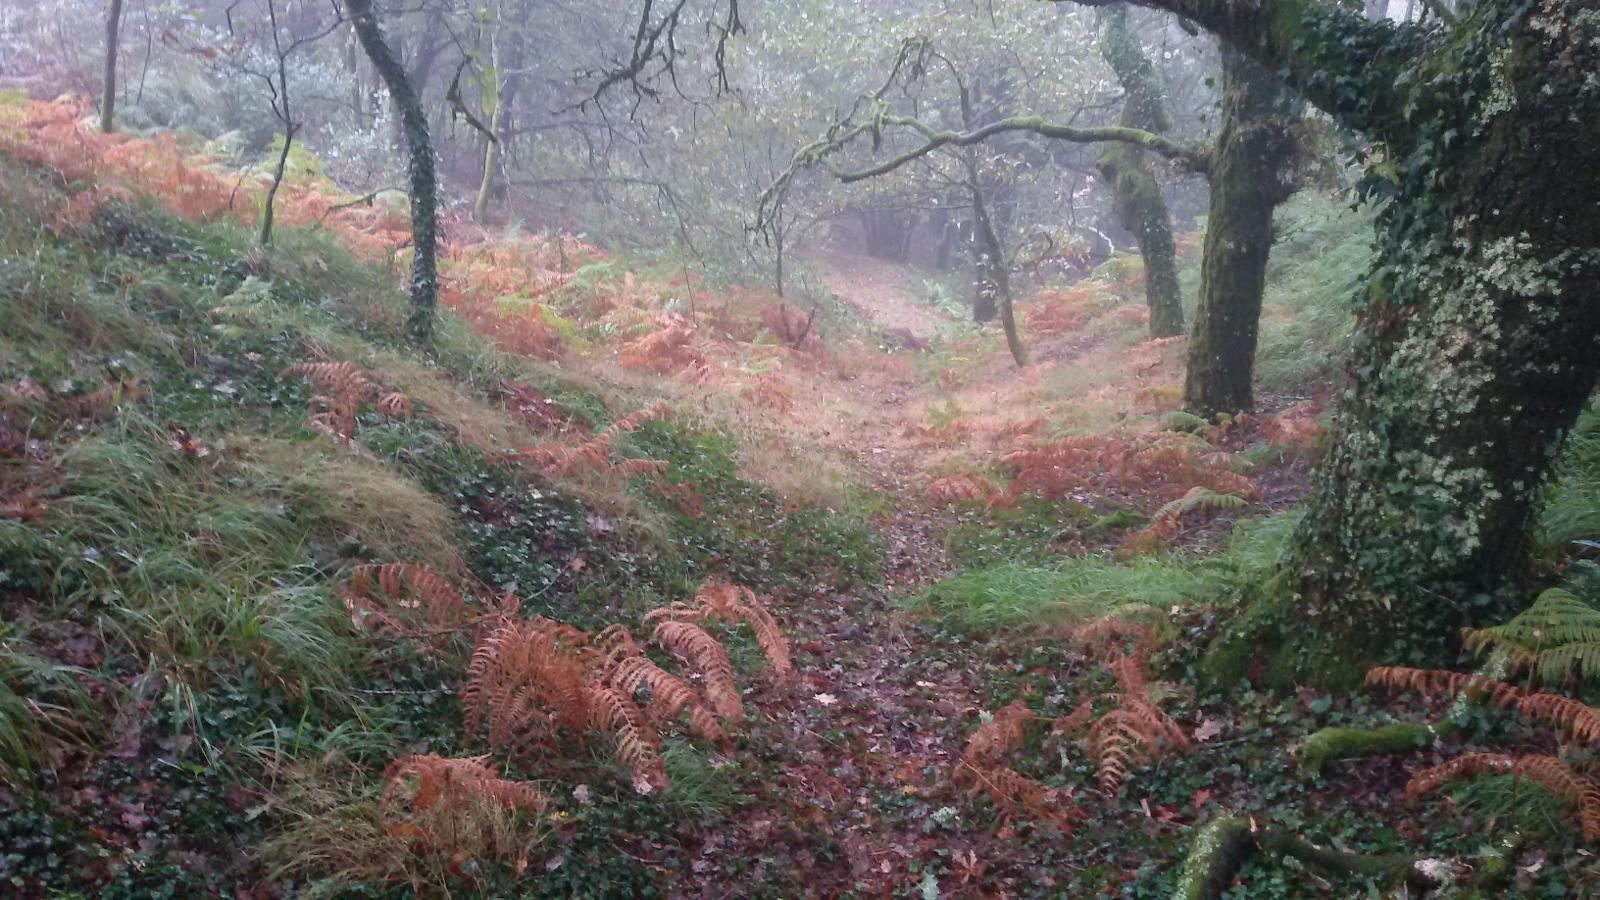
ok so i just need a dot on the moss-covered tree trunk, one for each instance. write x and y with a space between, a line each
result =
419 154
1137 195
1480 342
1249 179
507 52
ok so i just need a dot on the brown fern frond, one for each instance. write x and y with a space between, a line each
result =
395 405
1467 765
633 422
1003 733
737 603
637 747
1439 684
1133 733
340 378
700 651
1135 730
1563 713
1549 772
629 670
524 682
440 782
102 403
416 589
953 489
1012 793
675 612
629 468
347 386
1117 631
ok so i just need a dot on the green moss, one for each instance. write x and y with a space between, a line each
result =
1332 744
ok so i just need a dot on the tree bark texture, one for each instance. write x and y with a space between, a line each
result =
1249 178
1137 195
1480 340
108 86
419 153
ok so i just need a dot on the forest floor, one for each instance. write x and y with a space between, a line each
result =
160 431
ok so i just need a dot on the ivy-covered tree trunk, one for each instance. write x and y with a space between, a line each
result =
1249 179
1137 195
419 153
1480 342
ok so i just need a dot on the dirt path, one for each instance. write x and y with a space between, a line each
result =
854 758
883 292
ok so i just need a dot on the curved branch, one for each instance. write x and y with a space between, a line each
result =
1192 158
1321 49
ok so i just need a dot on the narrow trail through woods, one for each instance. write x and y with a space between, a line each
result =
864 741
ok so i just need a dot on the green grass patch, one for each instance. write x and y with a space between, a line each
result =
1017 594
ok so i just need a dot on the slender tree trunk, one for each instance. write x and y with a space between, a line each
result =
994 282
358 92
1137 195
507 65
285 114
1479 346
108 89
269 202
1249 178
419 152
491 153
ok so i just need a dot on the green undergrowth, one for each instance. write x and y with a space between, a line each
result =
1321 250
181 689
1030 592
1571 517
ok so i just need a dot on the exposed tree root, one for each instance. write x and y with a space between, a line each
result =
1224 845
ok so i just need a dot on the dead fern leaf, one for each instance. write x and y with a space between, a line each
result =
102 403
1438 684
526 681
699 650
1553 774
961 488
736 603
442 783
1579 720
1135 730
998 737
388 594
395 405
637 747
629 670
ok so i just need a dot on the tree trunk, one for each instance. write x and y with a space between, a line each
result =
424 182
1249 178
503 115
108 89
1478 349
285 114
1137 196
993 281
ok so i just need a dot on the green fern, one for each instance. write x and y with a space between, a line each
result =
1556 637
1178 420
1198 498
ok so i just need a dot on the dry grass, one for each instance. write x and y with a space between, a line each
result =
474 421
360 498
